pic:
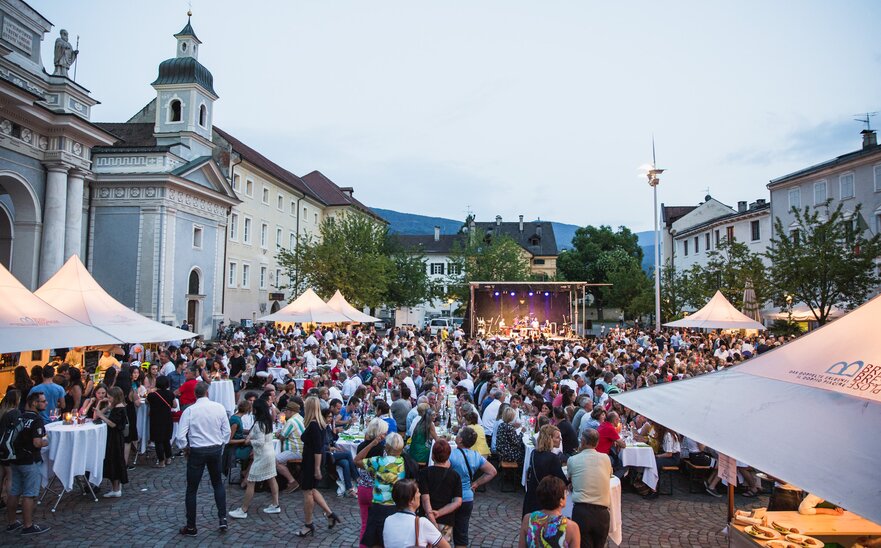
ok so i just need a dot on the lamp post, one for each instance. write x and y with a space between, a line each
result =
652 175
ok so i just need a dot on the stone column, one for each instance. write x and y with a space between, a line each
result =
73 222
55 205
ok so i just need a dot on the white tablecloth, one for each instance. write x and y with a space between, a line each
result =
277 373
74 450
642 457
143 426
223 393
615 530
350 445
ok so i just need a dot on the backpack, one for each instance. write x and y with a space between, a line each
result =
9 435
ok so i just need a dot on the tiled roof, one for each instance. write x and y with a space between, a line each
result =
545 242
255 158
332 195
427 243
671 214
839 160
130 134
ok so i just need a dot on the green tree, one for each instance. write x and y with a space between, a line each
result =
728 269
824 261
586 262
358 256
674 292
631 289
482 258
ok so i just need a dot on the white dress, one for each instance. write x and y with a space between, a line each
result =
263 467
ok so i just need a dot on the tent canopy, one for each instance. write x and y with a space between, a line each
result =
339 303
801 313
29 323
73 291
717 314
807 412
307 308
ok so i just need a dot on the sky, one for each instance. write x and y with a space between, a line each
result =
508 107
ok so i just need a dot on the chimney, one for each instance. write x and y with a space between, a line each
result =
498 220
870 138
436 233
760 202
521 223
347 190
741 206
538 229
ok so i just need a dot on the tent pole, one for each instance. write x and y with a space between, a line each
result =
730 502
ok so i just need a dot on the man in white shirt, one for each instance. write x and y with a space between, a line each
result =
492 411
167 365
351 384
311 340
203 430
311 359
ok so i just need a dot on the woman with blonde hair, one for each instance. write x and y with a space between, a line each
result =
545 462
387 470
313 439
376 429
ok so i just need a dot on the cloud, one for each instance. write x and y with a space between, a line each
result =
805 144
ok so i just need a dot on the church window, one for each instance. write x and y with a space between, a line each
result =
203 116
174 111
197 237
193 285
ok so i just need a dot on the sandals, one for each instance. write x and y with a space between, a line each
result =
310 531
332 519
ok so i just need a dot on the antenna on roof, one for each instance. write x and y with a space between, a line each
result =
867 120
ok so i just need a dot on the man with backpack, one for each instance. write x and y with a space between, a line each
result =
25 435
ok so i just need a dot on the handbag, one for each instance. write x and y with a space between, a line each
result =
175 415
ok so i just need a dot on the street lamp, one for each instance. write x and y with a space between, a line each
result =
652 175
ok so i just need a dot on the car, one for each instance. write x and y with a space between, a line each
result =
438 324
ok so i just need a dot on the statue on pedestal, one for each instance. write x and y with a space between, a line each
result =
65 55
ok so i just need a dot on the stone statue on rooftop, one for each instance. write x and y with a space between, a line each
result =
65 55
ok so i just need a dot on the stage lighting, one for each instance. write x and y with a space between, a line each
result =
496 294
546 293
512 293
530 293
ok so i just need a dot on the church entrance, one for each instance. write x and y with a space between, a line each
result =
192 313
20 224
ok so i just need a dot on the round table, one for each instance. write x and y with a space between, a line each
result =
73 450
615 530
641 456
223 393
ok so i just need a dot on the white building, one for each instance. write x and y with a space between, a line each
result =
691 232
439 263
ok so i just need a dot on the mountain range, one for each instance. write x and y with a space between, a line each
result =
412 223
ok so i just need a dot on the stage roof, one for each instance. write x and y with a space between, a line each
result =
490 285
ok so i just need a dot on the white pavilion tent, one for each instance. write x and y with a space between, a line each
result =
717 314
29 323
340 304
307 308
808 412
801 313
73 291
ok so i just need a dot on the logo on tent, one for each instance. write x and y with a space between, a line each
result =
844 369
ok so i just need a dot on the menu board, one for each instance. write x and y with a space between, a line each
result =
728 469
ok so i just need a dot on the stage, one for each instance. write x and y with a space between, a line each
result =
527 310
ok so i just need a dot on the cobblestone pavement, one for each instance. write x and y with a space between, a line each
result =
151 510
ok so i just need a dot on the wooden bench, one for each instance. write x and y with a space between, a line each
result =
666 471
696 475
511 470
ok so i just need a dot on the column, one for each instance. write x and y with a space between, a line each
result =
54 209
73 222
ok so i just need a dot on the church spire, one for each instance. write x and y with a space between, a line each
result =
187 41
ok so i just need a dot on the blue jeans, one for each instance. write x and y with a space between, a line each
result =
343 460
200 458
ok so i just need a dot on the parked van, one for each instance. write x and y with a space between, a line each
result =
437 324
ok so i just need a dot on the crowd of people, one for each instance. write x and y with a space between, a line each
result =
438 414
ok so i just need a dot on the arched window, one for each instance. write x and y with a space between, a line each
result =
193 287
174 111
203 116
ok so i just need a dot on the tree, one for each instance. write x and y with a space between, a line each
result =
359 257
673 293
728 269
824 261
631 289
586 261
483 258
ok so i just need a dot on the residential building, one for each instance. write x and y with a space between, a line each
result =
690 233
850 179
536 238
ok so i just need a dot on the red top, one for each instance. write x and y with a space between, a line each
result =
188 392
608 436
307 385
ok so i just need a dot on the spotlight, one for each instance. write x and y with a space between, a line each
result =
512 293
546 293
531 293
496 294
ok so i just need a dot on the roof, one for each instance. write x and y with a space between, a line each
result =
546 241
254 158
179 171
757 208
671 214
188 31
185 70
332 195
133 136
427 244
837 161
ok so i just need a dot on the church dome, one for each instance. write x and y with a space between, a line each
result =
185 70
